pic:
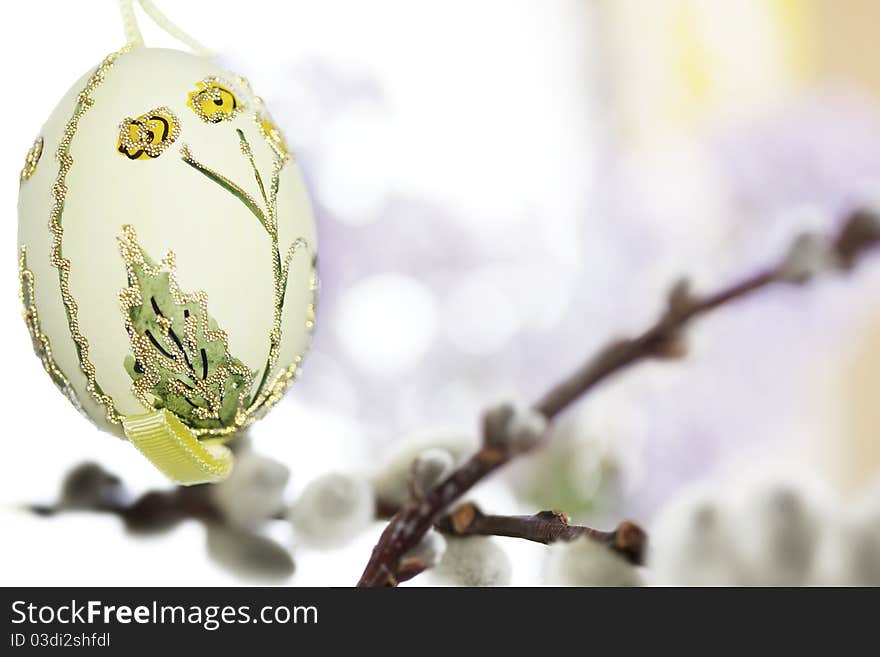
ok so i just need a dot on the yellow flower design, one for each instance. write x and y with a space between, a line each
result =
149 135
273 136
30 161
213 101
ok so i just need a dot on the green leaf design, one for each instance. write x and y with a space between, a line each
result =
268 218
181 359
228 185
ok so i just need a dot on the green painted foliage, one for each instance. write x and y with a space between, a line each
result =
182 353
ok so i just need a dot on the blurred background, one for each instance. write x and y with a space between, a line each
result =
501 186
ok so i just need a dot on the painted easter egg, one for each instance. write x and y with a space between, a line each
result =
167 256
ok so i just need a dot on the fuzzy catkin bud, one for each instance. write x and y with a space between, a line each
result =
807 257
431 466
513 428
253 492
852 555
391 483
692 545
785 532
429 551
333 509
248 555
473 561
586 562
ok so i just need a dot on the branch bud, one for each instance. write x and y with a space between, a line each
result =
808 256
513 429
861 231
428 552
89 486
679 300
430 467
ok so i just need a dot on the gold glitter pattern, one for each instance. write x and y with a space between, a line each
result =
272 135
149 135
84 102
189 370
214 101
269 130
31 160
284 379
42 346
267 389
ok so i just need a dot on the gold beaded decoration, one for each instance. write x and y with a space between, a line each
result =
149 135
42 346
214 101
31 160
272 135
84 101
187 379
284 379
268 391
265 123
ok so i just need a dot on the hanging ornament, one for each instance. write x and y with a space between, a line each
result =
167 259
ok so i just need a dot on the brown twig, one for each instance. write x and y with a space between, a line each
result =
88 487
628 539
664 339
408 569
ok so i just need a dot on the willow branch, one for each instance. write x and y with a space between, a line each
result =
88 487
628 539
808 256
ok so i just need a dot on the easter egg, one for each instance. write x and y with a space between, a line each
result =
167 256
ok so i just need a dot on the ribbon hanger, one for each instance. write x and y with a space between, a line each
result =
133 34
